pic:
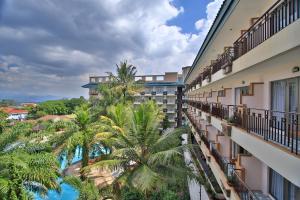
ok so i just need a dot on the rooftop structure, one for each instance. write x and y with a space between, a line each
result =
15 113
165 89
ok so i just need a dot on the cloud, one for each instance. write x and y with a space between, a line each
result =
50 48
212 9
200 24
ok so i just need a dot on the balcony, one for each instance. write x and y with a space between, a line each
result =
280 128
227 167
279 16
224 61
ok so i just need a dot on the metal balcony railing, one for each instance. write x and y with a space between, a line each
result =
282 128
223 61
279 16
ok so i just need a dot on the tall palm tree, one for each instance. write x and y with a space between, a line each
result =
124 80
21 172
144 158
83 136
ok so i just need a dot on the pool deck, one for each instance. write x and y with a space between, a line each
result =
101 178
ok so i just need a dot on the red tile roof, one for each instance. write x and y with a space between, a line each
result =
10 110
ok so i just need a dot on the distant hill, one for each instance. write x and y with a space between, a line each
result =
19 98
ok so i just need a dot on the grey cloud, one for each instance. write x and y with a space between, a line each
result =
50 46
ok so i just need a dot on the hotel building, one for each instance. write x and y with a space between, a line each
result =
166 90
243 96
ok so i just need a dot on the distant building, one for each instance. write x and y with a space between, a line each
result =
28 104
55 118
165 89
15 114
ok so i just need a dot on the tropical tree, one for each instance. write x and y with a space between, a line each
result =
108 97
124 80
87 189
83 136
144 158
22 173
3 121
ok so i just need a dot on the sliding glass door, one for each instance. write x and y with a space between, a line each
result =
285 95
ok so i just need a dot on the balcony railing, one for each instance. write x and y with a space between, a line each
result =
224 61
225 165
279 16
281 128
240 187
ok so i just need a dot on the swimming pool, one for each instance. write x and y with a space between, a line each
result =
67 191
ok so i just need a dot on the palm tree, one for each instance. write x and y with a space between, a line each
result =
145 159
124 80
87 189
83 136
108 97
21 172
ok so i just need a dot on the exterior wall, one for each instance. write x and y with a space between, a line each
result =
17 116
255 177
224 146
272 60
278 159
256 100
171 76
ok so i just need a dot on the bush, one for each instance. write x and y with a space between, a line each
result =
164 194
131 194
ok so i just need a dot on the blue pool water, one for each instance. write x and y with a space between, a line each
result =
67 191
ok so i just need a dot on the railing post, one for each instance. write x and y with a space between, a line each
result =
266 131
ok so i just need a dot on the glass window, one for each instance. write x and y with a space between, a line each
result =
282 189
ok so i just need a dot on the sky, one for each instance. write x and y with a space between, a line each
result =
50 47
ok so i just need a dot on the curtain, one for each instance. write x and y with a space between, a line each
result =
276 185
294 192
278 96
278 100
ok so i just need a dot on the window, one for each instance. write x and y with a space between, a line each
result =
92 80
160 78
149 78
282 189
285 95
239 92
221 93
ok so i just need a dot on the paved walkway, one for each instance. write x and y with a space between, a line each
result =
194 187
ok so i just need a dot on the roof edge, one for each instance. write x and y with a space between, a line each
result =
223 11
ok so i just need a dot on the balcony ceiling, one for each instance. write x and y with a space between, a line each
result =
237 20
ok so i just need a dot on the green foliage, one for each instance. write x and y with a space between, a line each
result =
148 159
3 121
165 122
87 189
56 107
131 194
123 82
165 195
21 172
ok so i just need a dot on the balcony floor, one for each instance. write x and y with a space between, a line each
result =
261 196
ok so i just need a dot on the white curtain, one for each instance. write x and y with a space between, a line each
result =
278 96
278 99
